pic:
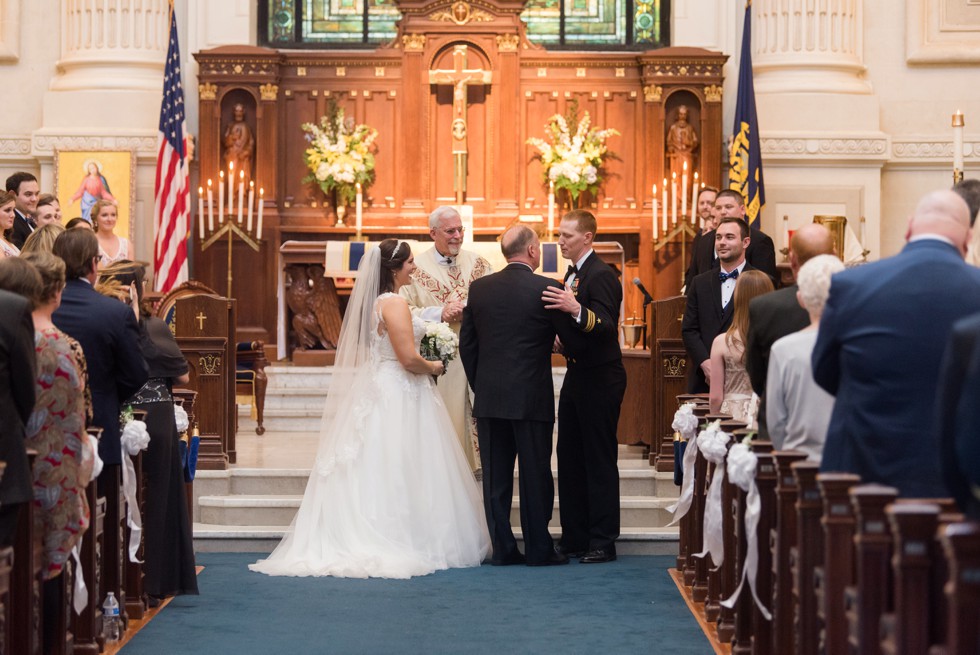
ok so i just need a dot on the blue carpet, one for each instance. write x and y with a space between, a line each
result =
629 606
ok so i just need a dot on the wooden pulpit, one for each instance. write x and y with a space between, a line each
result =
669 376
204 326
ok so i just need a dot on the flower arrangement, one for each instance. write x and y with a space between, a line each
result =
439 343
573 158
340 154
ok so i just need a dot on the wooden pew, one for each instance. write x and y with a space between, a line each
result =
696 511
684 526
702 565
838 569
782 541
961 546
729 569
86 627
26 580
806 556
113 553
186 399
136 599
765 479
742 635
712 604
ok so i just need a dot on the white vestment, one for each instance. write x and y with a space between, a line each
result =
434 284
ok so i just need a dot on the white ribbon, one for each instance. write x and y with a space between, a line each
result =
683 504
134 438
93 452
80 601
685 421
181 419
741 471
714 447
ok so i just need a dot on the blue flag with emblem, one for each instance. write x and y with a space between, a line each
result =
745 160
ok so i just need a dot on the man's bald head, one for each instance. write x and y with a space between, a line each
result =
809 241
519 243
942 213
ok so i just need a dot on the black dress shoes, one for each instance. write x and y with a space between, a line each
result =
556 559
599 555
508 560
571 552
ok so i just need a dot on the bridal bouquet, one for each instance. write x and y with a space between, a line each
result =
340 154
573 157
439 343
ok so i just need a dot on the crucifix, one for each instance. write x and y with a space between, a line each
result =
460 78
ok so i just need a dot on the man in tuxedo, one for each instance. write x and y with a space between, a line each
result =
26 192
591 395
774 315
709 222
17 373
761 253
505 344
880 345
108 333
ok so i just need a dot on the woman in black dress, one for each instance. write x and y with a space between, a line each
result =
168 540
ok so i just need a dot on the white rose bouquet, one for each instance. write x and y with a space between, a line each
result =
440 343
340 154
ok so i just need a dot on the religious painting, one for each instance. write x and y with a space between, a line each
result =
83 177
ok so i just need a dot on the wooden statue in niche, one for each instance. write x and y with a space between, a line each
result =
682 143
238 143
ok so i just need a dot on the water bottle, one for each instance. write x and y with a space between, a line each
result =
110 618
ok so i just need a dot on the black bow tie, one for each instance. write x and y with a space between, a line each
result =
722 275
572 270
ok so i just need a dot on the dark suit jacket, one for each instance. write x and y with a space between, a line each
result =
108 333
20 231
704 319
761 254
505 345
880 345
594 340
771 317
18 371
958 416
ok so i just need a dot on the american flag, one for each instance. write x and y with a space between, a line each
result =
171 209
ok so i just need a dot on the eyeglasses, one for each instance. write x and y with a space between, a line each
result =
453 230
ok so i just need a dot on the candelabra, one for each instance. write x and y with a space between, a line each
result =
682 228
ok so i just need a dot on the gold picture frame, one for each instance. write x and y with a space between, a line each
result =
95 172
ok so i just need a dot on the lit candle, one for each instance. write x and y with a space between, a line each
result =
694 201
786 230
359 209
221 197
241 195
210 207
200 212
664 206
231 187
251 204
684 194
258 228
673 199
551 209
861 234
655 212
958 123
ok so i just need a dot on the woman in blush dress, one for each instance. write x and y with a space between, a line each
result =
7 204
730 391
391 494
112 248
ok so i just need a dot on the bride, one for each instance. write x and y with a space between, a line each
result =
390 494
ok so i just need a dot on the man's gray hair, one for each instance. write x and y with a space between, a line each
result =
814 281
444 211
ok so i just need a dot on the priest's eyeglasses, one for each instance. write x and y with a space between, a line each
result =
453 230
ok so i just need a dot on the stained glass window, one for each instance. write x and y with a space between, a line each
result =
579 24
319 23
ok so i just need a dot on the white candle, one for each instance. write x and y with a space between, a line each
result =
654 212
786 230
551 209
241 195
958 123
694 201
210 207
200 212
664 206
251 204
684 193
358 208
221 197
861 234
258 228
231 187
673 199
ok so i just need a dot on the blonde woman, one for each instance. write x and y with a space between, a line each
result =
112 248
42 239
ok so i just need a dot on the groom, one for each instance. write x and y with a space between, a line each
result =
505 345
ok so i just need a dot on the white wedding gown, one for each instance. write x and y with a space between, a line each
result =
391 494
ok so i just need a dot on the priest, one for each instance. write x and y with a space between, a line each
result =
439 289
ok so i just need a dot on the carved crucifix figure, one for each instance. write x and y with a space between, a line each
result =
460 77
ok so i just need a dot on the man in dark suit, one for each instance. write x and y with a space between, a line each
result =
880 345
17 373
958 415
706 212
591 395
709 301
760 254
774 315
506 341
108 333
26 192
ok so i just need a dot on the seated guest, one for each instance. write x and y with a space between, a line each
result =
43 238
112 248
797 410
7 217
77 222
48 211
169 545
730 391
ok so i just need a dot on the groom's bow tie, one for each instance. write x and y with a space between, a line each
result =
722 275
572 270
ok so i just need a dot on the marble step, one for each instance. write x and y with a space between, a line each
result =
251 510
209 538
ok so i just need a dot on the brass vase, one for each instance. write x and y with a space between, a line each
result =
341 212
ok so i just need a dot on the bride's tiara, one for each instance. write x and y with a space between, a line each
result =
395 251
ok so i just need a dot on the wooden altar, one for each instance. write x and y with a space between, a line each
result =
394 89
